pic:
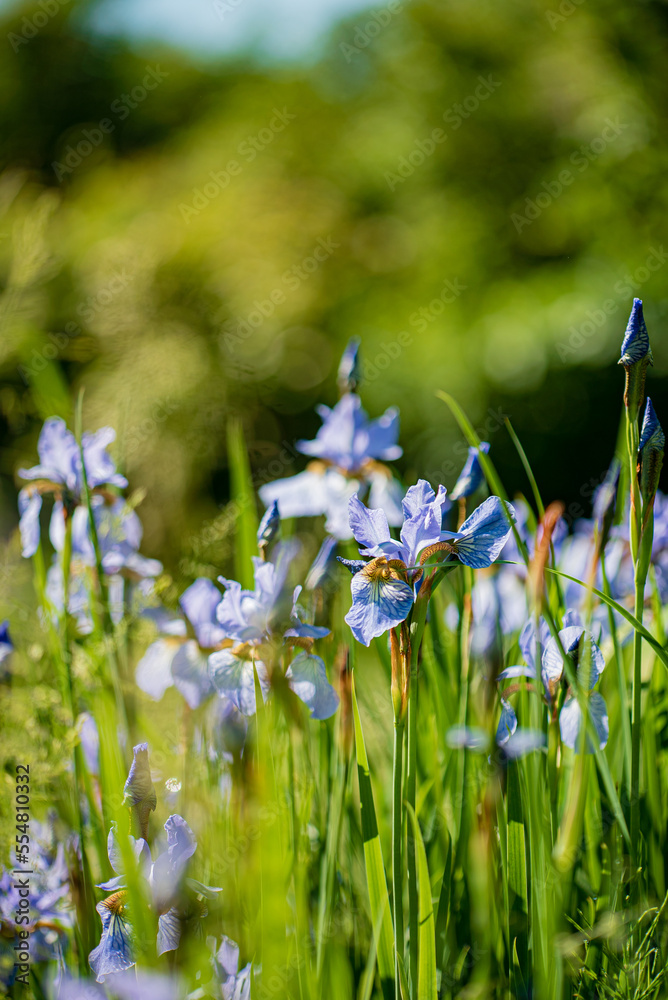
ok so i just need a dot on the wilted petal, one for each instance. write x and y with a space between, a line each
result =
308 679
381 600
233 679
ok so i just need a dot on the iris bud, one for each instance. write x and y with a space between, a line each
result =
636 356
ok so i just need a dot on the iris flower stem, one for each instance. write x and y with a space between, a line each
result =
635 727
416 631
397 843
622 682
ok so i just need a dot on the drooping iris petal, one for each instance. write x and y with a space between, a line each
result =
199 603
190 671
381 600
571 720
115 951
154 671
507 723
482 536
100 468
170 927
307 677
58 455
233 678
169 868
30 504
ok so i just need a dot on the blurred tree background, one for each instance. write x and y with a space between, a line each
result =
476 190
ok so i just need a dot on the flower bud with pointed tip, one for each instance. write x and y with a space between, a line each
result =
139 792
651 449
350 372
636 356
471 476
269 528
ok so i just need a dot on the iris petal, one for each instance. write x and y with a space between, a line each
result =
308 679
381 600
233 678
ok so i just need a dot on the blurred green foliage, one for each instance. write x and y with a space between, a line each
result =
476 190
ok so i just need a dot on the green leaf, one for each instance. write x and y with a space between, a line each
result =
427 989
518 905
243 496
379 899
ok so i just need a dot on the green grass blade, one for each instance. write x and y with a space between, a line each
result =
540 506
243 496
631 619
427 989
518 907
491 475
379 899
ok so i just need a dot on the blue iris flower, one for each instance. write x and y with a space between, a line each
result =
59 473
175 659
384 589
471 477
346 451
257 620
541 651
168 887
235 982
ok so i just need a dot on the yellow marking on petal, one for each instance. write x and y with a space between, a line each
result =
116 902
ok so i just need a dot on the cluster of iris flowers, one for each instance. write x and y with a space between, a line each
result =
227 644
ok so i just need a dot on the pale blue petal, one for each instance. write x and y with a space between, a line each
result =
484 533
30 504
570 722
307 677
522 742
169 931
199 603
467 738
385 494
507 723
378 605
154 671
516 671
233 679
369 527
303 495
114 952
190 671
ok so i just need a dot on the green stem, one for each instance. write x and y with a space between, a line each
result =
418 619
621 684
635 727
397 860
